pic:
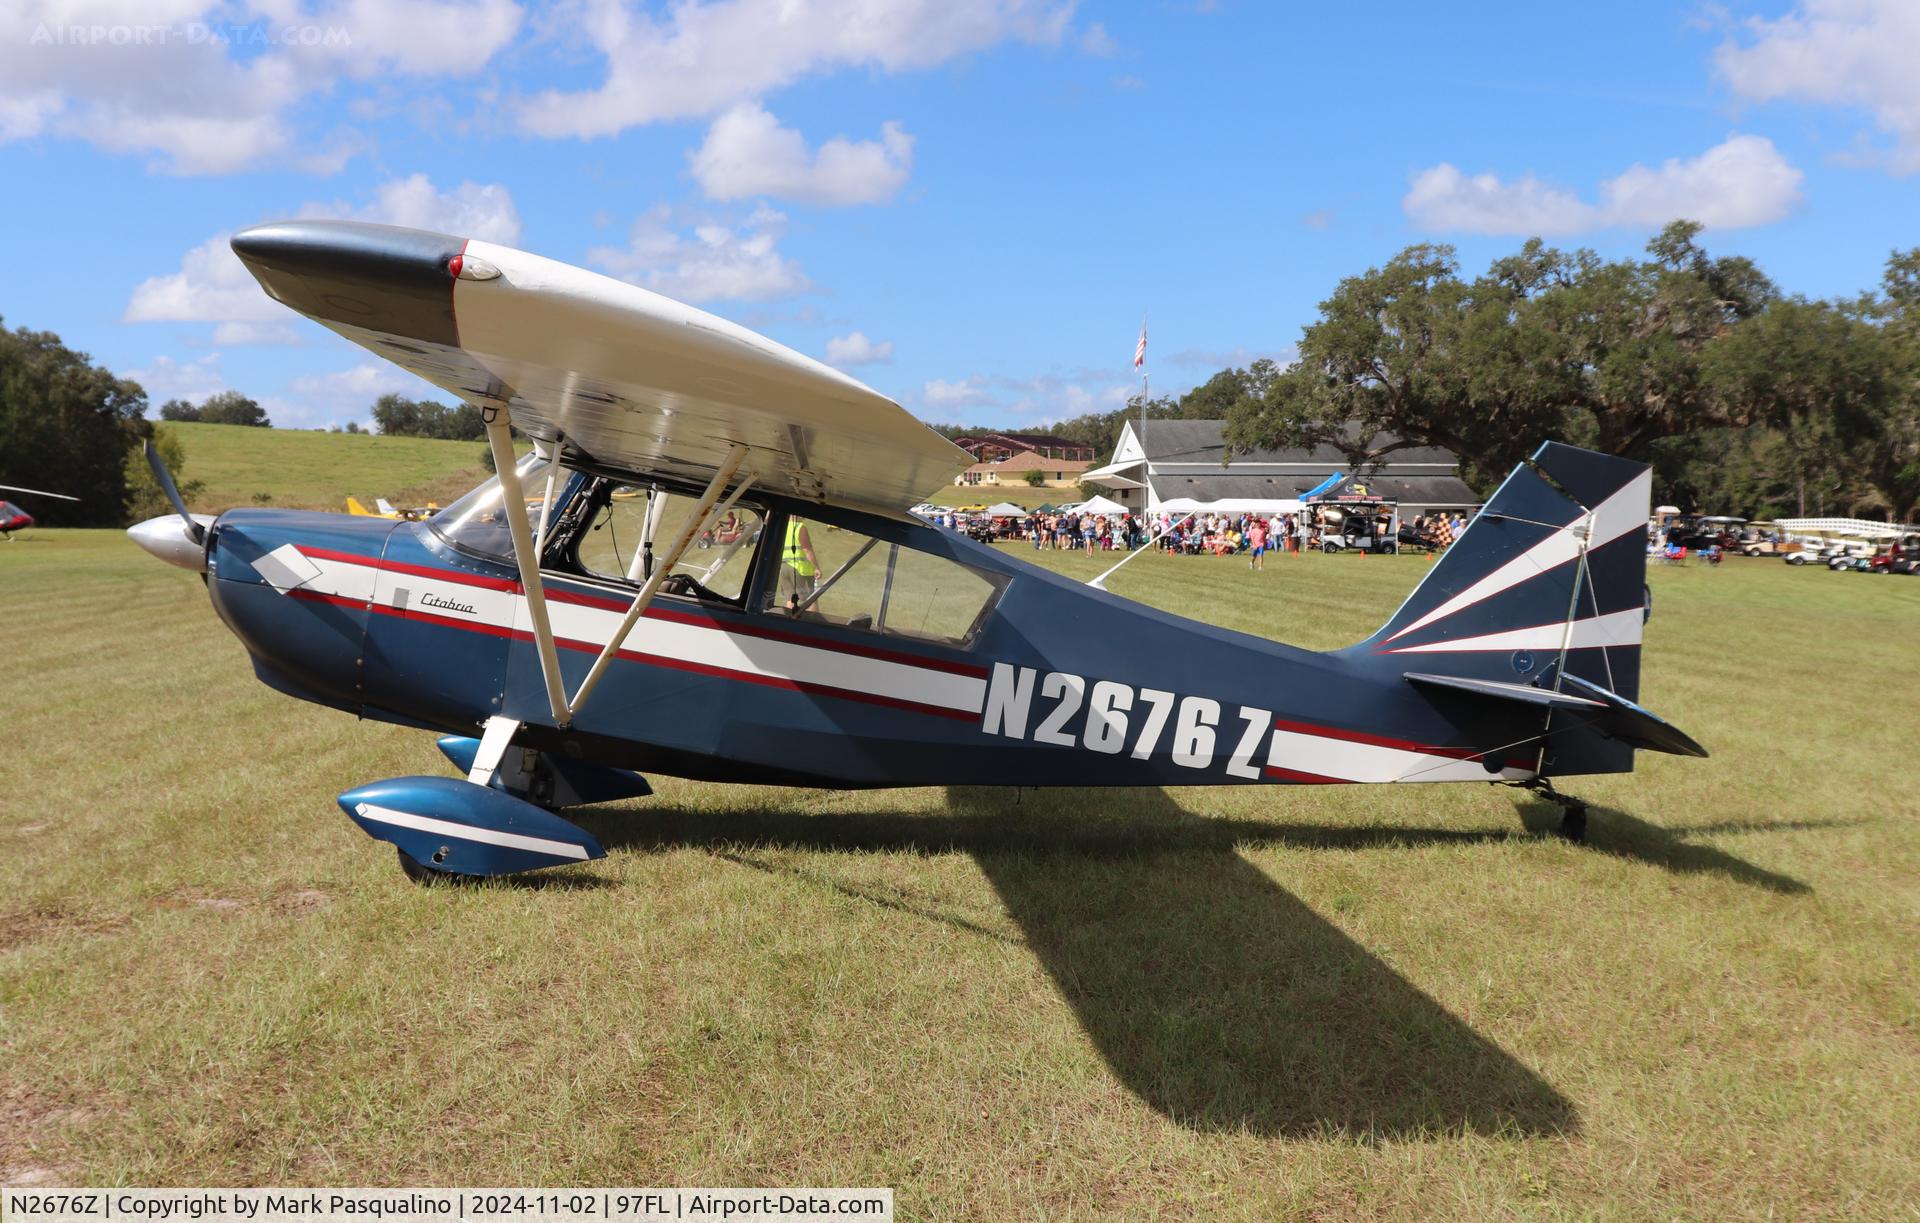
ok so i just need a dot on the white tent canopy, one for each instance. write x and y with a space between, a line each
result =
1007 509
1099 505
1233 505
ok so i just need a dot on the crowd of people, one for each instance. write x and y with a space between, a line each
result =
1214 533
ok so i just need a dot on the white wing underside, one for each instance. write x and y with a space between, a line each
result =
642 385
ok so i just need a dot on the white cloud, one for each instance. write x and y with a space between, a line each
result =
1443 198
1095 40
703 57
1743 181
855 348
334 398
715 262
163 378
471 210
1040 398
1857 53
412 37
213 286
748 153
1737 184
367 380
255 333
208 85
963 393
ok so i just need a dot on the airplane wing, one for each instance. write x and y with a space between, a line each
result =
631 382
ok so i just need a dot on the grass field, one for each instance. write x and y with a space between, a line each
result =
1225 1003
299 469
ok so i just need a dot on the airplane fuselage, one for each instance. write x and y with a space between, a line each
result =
1062 685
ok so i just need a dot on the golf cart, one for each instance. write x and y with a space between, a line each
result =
1890 556
1855 552
1697 534
1765 539
1819 548
1356 525
1904 557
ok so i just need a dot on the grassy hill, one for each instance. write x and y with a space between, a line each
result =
294 469
994 494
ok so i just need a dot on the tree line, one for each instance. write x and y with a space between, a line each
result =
220 408
1746 399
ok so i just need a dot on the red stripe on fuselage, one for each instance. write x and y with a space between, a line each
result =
1361 736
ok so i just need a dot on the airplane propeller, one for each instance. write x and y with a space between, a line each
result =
164 478
169 540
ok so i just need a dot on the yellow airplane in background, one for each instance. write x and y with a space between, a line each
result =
388 510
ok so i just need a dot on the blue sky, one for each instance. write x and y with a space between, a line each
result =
967 203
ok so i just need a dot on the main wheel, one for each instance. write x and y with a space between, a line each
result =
426 875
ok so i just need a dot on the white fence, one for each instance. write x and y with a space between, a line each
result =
1851 526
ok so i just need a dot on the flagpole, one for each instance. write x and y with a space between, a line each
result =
1146 489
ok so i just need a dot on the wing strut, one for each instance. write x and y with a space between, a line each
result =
514 503
704 514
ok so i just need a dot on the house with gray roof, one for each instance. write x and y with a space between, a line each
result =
1184 459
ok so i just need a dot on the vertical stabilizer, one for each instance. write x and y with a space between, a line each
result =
1552 573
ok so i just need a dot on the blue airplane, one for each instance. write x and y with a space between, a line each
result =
706 568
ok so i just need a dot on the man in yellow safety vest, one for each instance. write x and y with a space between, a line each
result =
802 565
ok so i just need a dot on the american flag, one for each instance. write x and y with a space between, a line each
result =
1140 349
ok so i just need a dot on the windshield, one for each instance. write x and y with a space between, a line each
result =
478 521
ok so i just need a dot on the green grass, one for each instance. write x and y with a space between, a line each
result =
298 469
1399 1002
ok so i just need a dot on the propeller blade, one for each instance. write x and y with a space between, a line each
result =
38 492
165 480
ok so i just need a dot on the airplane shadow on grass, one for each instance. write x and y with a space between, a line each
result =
1215 995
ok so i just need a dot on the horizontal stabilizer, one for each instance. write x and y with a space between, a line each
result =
1524 694
1609 713
1629 723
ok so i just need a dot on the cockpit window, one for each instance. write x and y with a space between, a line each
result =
832 575
631 526
478 521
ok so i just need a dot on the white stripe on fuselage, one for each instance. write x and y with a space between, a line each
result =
1345 760
699 644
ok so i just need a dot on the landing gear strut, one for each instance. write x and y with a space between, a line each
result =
1573 812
